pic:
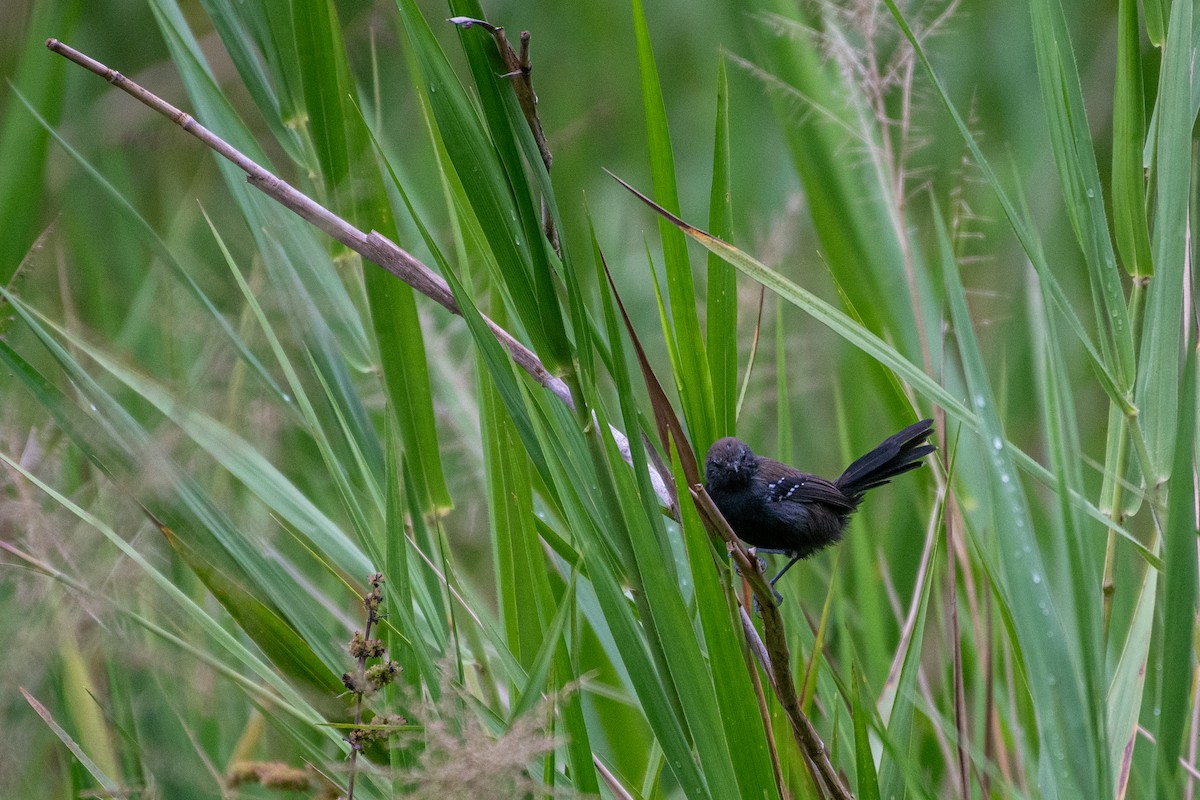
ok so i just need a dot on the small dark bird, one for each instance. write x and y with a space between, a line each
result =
780 509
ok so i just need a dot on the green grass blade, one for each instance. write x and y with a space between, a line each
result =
201 533
325 79
282 693
1070 542
100 776
897 702
1128 683
531 693
864 761
511 138
721 315
354 186
1174 704
243 461
1159 363
1067 754
719 611
669 724
1130 225
25 141
1074 153
1156 20
692 380
489 190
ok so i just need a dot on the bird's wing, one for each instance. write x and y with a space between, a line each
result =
786 485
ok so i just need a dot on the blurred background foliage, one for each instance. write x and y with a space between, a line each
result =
221 400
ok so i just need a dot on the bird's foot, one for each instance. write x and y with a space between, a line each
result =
760 565
778 601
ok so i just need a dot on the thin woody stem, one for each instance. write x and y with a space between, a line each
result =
772 652
373 246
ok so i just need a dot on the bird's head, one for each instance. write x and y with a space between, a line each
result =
729 464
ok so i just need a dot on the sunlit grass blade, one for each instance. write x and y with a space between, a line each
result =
80 689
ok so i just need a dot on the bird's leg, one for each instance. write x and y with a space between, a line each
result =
786 567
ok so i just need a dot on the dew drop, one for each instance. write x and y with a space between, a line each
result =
997 443
1004 477
1036 578
979 401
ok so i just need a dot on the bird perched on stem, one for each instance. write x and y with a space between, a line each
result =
780 509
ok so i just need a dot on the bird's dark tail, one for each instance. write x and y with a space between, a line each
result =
897 455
